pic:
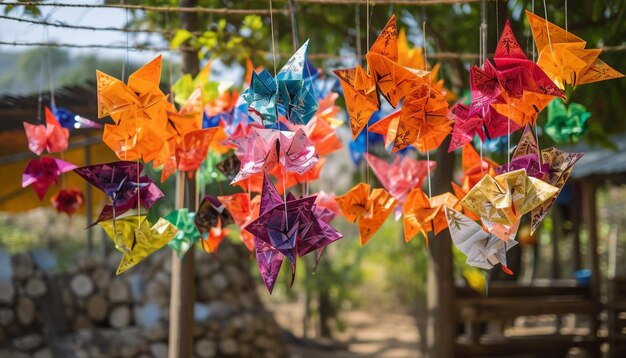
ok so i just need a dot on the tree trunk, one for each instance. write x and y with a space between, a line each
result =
442 322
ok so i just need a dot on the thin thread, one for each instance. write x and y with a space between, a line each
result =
532 9
367 126
497 22
358 32
483 54
566 32
50 75
537 140
294 29
508 137
273 44
198 9
40 96
427 100
545 10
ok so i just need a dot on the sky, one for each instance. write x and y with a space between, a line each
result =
13 31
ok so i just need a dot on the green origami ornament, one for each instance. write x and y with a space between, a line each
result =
208 173
187 235
566 125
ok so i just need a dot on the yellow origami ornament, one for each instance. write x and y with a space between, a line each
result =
563 57
505 198
137 238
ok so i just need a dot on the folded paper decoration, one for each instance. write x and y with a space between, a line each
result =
566 124
422 214
123 185
370 209
41 173
563 57
187 234
136 238
51 137
289 94
483 250
291 228
68 200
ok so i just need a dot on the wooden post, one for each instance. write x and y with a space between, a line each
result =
182 295
442 327
576 219
557 237
589 187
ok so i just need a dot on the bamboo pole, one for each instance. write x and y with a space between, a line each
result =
182 295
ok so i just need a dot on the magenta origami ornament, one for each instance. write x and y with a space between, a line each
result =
263 149
43 172
287 229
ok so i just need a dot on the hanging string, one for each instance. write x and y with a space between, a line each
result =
545 10
40 96
566 32
508 137
367 126
430 194
483 54
50 74
357 24
532 9
497 22
272 30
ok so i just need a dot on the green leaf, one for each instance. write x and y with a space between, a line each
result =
253 22
180 37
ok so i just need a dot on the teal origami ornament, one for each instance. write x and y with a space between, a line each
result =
187 235
566 124
289 94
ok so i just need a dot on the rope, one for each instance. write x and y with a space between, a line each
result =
199 10
80 27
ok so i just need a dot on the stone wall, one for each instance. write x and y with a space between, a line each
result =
87 311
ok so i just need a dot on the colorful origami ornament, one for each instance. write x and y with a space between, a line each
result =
71 120
503 199
288 94
292 228
399 177
265 148
422 121
210 220
394 82
51 136
138 110
483 250
244 211
68 200
515 88
424 214
467 125
566 124
187 234
370 209
556 166
123 185
41 173
563 57
136 238
474 167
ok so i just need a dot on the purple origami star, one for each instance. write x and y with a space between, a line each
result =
122 183
291 229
